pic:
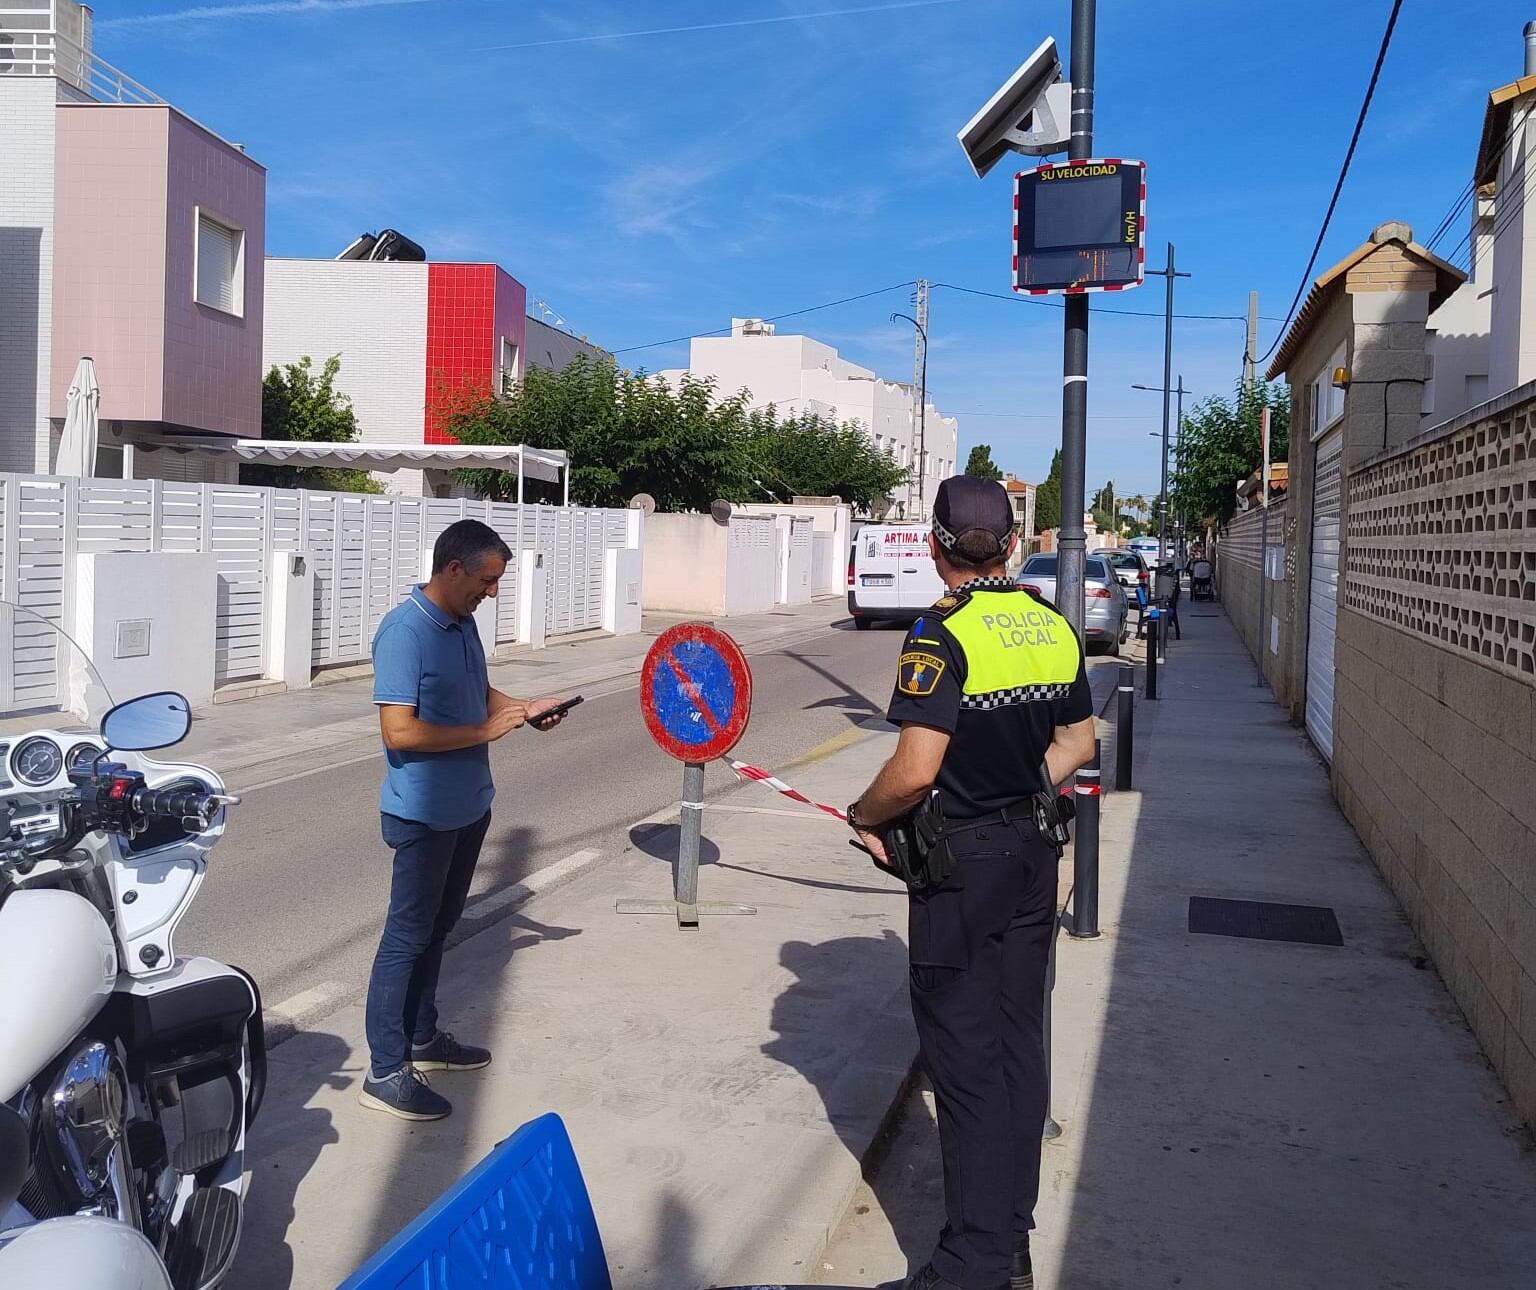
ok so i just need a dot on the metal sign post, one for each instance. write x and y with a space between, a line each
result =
696 698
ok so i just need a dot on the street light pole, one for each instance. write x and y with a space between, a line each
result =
922 418
1072 547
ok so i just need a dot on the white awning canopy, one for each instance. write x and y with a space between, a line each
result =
530 463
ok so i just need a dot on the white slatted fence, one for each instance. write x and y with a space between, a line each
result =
367 552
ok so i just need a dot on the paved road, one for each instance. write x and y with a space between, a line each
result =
297 892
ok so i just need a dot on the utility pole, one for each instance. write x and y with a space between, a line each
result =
1072 557
1259 636
1178 425
920 389
1252 347
920 379
1170 273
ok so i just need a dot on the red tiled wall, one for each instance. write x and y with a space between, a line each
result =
461 341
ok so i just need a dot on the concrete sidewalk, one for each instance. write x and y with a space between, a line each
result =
721 1085
268 735
1259 1113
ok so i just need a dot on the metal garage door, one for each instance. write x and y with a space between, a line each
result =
1323 597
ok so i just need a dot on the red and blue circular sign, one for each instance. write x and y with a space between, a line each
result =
695 692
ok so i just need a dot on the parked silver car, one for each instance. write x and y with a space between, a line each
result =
1105 609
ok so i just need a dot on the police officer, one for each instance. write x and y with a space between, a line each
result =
992 697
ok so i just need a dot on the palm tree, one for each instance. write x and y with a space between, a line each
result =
1136 502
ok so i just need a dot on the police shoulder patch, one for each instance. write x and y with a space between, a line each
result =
947 604
919 672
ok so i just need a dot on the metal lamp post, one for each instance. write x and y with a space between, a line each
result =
922 418
1165 391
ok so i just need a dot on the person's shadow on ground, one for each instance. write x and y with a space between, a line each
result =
820 1050
277 1168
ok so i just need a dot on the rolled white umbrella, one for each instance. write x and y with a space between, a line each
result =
77 445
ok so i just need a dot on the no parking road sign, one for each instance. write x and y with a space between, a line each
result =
695 692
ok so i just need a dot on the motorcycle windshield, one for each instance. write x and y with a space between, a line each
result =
47 678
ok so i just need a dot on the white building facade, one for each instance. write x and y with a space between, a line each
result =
796 374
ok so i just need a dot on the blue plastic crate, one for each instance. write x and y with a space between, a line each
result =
520 1220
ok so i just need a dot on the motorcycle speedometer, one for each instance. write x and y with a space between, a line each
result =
37 761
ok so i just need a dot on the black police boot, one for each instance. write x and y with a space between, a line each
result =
925 1278
1022 1276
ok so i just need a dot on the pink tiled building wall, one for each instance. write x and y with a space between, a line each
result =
130 183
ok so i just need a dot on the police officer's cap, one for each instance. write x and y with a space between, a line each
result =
969 505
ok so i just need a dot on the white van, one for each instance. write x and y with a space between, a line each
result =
891 576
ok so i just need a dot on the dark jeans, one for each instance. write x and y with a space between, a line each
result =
433 869
979 947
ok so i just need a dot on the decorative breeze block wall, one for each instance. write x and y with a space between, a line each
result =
1442 540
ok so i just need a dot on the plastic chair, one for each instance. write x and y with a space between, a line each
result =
520 1220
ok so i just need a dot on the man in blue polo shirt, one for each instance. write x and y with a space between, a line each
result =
438 716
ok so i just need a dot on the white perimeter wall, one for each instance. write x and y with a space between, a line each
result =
375 317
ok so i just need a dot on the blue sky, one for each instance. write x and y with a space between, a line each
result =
767 155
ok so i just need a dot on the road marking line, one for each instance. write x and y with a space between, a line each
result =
310 1000
305 774
833 745
552 875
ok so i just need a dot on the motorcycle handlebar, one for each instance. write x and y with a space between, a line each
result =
181 804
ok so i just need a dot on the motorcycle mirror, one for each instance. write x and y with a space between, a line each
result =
15 1156
150 721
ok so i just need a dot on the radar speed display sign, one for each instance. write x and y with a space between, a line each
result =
1079 226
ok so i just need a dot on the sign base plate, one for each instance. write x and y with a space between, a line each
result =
687 915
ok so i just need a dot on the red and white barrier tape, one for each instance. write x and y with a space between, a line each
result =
761 776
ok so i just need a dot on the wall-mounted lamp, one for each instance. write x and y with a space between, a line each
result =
1341 378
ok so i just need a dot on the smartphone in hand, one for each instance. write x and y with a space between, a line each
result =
559 711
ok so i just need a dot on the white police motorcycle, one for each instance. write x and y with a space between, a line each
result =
128 1074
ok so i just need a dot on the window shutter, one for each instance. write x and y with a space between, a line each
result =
218 258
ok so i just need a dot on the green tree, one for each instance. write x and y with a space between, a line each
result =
299 405
980 463
628 433
1105 513
814 458
1219 445
1048 498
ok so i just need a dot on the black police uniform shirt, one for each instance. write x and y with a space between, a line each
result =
999 669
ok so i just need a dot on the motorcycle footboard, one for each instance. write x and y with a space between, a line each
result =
203 1244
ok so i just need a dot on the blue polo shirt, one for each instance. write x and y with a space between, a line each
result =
424 659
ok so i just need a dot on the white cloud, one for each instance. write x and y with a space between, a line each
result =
719 26
254 9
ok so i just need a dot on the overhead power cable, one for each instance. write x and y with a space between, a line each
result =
793 313
1132 313
1349 156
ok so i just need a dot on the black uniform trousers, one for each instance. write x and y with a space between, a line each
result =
979 948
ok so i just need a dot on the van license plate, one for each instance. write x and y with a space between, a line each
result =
877 579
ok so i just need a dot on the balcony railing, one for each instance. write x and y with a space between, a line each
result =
47 53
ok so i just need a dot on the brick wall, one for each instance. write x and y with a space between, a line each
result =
1238 561
26 269
1435 708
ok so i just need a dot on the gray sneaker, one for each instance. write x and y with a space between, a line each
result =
445 1053
405 1095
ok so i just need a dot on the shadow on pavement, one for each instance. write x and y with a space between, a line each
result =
808 1044
660 842
271 1194
1260 1113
